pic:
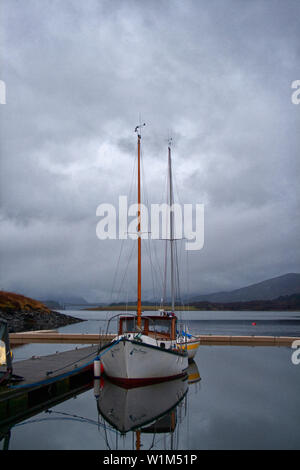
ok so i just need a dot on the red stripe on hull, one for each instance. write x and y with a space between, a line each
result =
131 383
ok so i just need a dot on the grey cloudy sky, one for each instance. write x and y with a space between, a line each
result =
215 74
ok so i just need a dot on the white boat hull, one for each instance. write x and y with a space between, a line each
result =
134 363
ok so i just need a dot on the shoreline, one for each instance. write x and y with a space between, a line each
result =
132 308
21 321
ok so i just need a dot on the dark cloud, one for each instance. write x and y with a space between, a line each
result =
216 75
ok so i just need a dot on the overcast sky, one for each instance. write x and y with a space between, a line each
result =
215 74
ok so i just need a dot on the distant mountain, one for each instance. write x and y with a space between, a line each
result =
270 289
61 300
52 304
282 303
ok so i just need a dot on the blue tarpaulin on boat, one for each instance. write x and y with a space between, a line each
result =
185 334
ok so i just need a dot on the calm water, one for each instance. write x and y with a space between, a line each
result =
248 397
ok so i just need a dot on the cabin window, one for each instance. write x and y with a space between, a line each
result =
160 326
129 325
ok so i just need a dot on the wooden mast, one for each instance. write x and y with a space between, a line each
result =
138 440
139 277
139 281
171 227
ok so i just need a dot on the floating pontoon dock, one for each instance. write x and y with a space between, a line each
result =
48 380
39 372
54 337
213 340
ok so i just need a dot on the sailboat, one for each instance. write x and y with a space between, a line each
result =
188 342
185 341
190 345
145 349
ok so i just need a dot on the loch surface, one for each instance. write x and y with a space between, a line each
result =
247 398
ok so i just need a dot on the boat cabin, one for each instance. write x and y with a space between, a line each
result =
159 327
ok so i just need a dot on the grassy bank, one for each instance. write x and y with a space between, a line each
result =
9 301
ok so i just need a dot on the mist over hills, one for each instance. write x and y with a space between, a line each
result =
269 289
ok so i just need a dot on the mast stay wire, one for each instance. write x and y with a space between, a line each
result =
175 247
181 248
148 245
131 188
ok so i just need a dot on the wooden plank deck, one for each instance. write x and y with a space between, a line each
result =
225 340
216 340
54 337
41 371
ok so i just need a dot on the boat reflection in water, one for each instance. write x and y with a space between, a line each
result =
194 376
156 410
151 414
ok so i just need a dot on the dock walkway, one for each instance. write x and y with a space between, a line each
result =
41 371
54 337
213 340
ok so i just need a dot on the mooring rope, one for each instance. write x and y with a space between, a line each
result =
85 357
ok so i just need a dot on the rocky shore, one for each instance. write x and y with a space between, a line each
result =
26 314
